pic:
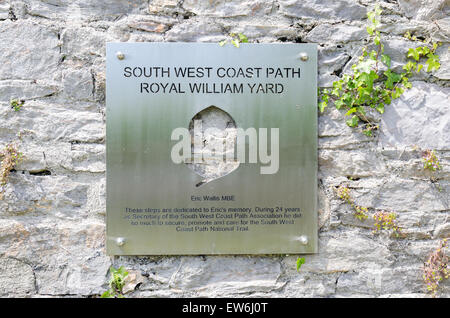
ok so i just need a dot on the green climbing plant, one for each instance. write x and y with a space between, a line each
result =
11 156
116 283
360 212
16 104
430 160
236 39
436 268
374 84
300 262
420 53
386 221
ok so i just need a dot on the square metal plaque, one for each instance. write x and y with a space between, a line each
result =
157 202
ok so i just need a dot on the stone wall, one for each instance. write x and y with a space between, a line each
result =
52 214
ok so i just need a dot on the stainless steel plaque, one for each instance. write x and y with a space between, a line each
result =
160 206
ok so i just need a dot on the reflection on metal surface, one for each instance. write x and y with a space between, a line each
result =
120 55
256 208
303 239
304 56
120 241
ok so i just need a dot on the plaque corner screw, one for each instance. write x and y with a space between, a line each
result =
303 239
120 55
303 56
120 241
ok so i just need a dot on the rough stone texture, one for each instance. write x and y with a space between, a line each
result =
329 9
213 134
30 52
228 9
420 117
424 9
340 33
16 278
52 212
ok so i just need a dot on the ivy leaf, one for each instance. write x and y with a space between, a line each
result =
425 50
407 84
351 111
362 79
432 62
113 270
392 78
348 100
339 103
364 94
353 122
106 294
243 38
365 66
322 106
414 53
235 43
397 92
361 110
372 76
367 132
409 66
222 43
376 40
122 271
337 85
386 59
380 108
435 45
335 92
300 262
